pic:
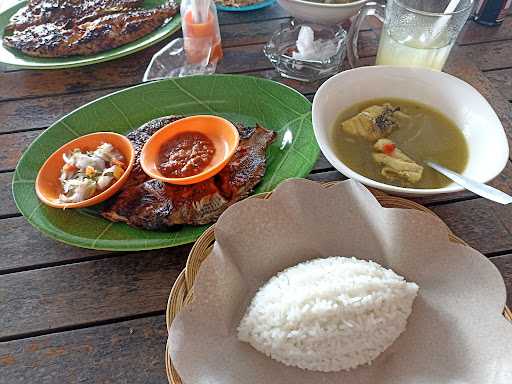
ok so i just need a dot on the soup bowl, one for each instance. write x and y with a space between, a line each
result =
464 105
321 13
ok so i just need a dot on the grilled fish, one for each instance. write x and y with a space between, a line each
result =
151 204
100 34
38 12
61 28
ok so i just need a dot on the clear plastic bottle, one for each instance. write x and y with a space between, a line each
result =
200 30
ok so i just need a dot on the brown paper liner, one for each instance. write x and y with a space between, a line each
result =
182 290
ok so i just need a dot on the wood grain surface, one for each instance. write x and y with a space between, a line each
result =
13 145
72 315
502 80
23 247
7 206
87 292
123 352
41 112
490 56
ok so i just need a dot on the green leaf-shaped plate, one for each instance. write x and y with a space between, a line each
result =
237 98
18 59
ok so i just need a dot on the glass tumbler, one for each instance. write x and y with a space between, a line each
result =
417 33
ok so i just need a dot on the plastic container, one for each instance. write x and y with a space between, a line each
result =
200 27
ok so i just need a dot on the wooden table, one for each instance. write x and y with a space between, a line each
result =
71 315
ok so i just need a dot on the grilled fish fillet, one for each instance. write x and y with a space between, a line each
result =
38 12
100 34
151 204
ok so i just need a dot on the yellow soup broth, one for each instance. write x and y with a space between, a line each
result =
426 135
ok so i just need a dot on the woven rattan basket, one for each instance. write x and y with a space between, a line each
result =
182 293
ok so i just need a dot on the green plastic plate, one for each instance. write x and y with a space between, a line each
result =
18 59
237 98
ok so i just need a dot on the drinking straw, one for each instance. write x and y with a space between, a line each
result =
440 24
200 10
194 10
203 10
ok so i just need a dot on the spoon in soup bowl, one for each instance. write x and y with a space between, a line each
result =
476 187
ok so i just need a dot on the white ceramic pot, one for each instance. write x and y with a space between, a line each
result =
320 13
487 142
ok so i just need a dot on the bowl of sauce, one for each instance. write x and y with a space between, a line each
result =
189 150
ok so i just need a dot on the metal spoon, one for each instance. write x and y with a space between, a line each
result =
480 189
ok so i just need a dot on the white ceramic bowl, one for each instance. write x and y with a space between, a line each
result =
488 147
321 13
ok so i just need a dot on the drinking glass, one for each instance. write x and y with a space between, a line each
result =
417 33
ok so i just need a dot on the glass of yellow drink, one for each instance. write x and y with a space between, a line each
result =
415 33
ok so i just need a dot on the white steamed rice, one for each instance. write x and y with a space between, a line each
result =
328 314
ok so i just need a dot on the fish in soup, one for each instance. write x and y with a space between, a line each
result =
388 140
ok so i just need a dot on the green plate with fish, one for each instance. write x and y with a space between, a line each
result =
244 99
16 58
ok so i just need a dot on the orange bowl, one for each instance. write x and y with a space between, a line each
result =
221 132
48 186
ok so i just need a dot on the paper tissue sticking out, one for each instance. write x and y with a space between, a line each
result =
306 52
310 49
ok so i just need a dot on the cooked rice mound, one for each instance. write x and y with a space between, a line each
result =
328 314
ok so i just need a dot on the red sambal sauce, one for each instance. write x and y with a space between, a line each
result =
186 154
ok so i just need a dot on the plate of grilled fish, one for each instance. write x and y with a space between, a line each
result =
51 34
276 143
